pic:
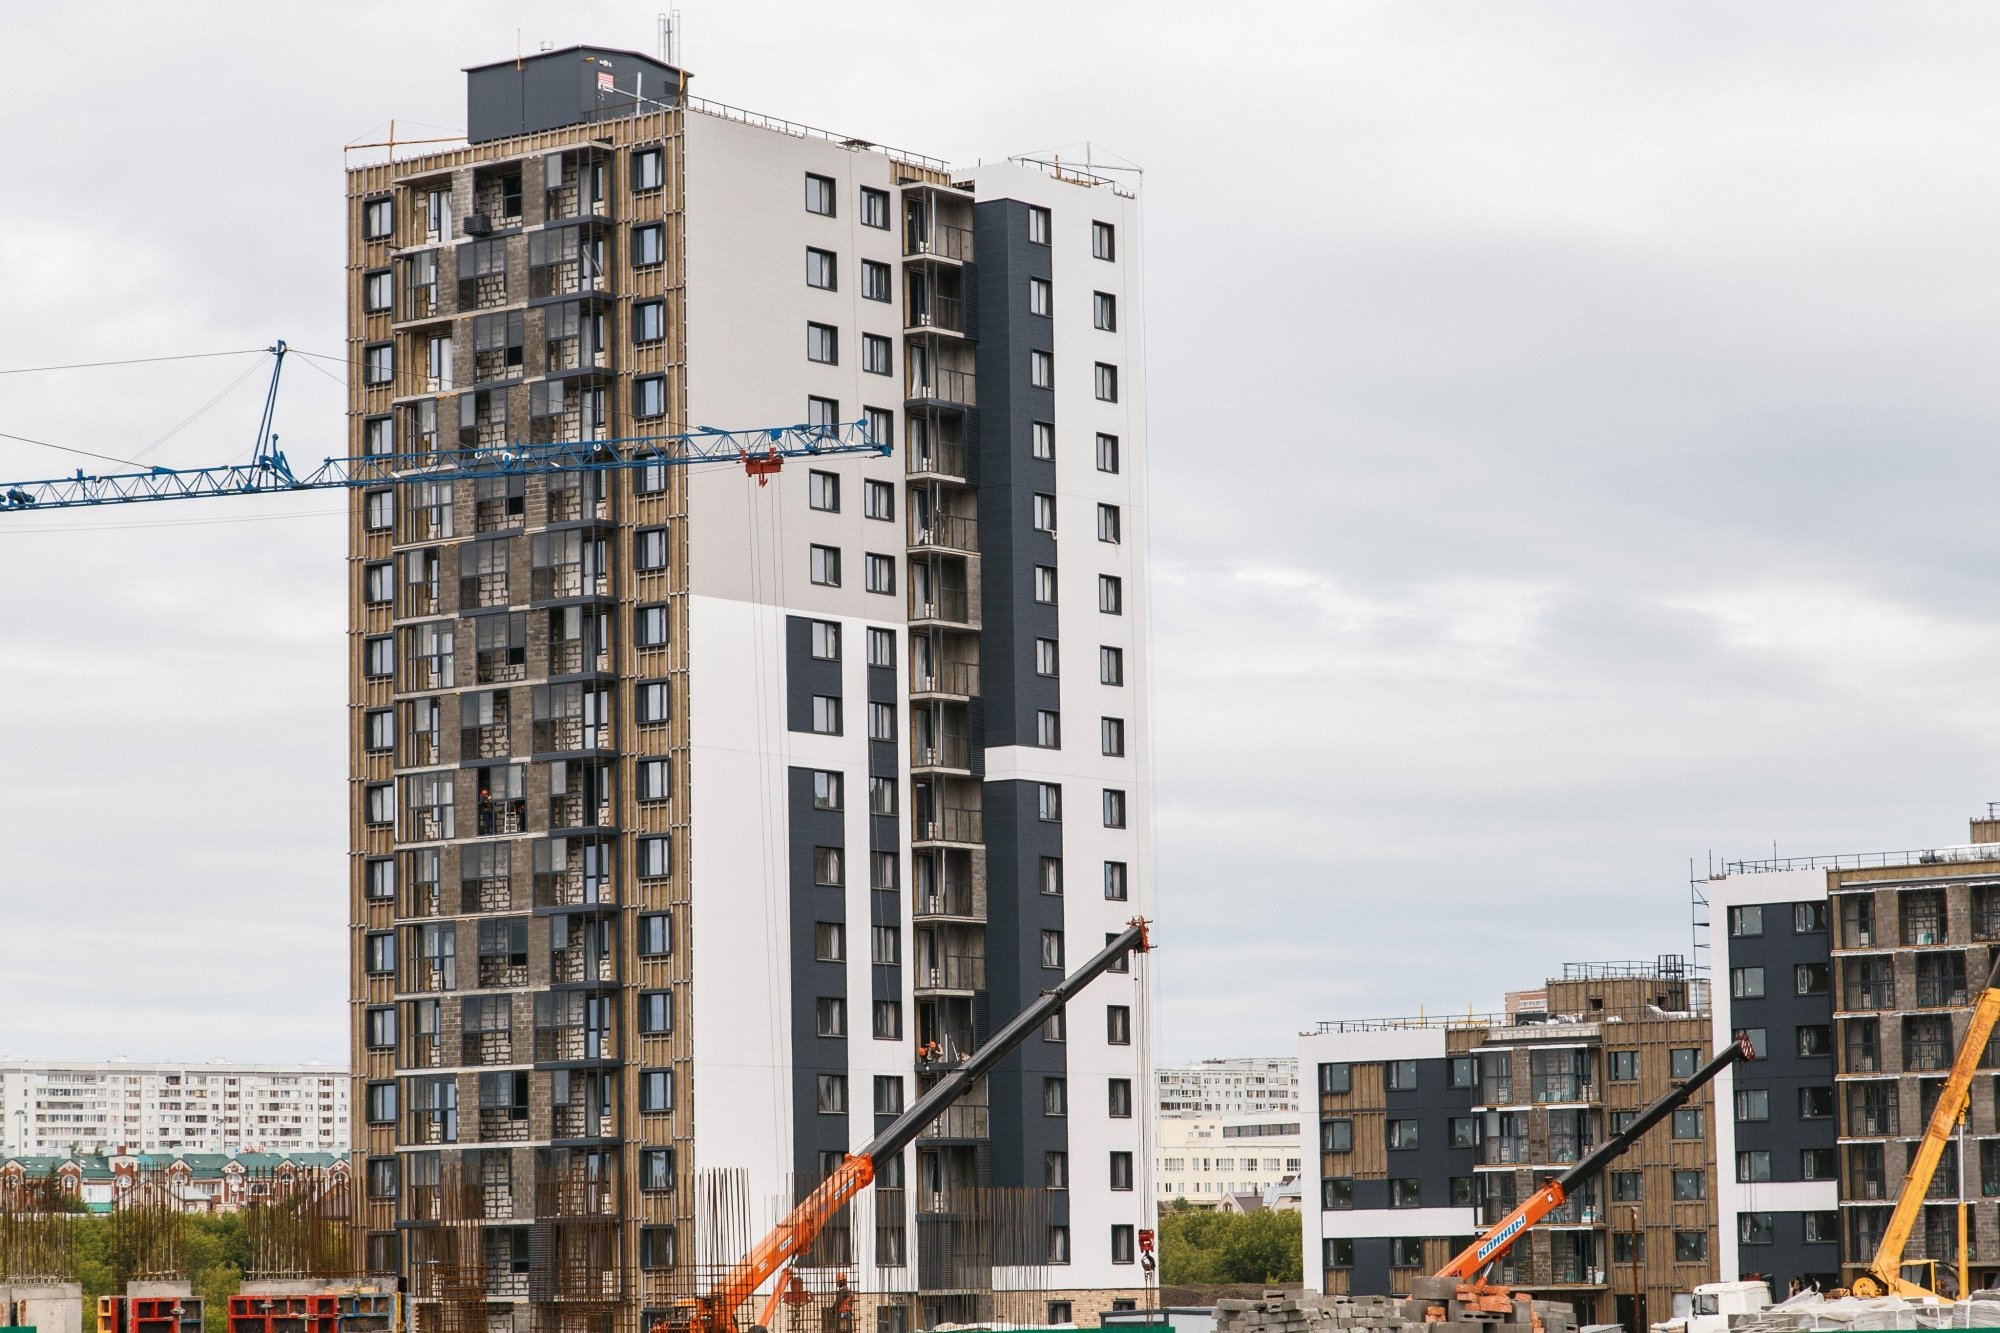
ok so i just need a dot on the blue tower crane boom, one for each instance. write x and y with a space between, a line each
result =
761 452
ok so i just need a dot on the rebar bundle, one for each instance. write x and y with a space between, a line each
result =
298 1224
37 1230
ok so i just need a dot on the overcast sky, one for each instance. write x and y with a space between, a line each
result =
1571 433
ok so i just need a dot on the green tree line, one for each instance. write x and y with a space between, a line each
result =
214 1248
1204 1247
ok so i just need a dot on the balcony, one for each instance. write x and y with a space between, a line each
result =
940 240
573 498
499 818
424 1053
935 384
956 900
1562 1088
503 1124
486 1048
570 657
554 735
952 680
572 810
945 606
1571 1271
434 974
952 972
578 1122
433 1127
498 970
959 1122
477 590
942 459
945 532
946 313
494 740
1497 1151
952 753
572 888
497 666
487 893
568 580
573 964
950 823
574 1044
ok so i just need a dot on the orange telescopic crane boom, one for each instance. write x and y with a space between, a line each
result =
716 1311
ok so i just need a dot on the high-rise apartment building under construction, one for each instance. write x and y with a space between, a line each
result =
699 823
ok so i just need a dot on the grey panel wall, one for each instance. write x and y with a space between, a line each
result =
556 88
1016 840
812 1054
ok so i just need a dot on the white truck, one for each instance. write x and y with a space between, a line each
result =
1712 1303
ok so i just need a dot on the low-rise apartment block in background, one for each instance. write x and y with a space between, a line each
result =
1430 1129
1209 1160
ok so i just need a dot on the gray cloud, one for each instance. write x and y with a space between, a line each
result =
1570 432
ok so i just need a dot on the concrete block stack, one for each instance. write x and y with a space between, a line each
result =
1435 1305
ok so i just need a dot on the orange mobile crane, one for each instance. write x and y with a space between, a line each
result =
1469 1265
716 1311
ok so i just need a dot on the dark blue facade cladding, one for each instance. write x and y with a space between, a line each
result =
1794 1085
568 87
884 901
1001 456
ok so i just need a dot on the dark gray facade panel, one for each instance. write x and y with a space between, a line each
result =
806 676
812 1054
1010 476
1017 914
550 89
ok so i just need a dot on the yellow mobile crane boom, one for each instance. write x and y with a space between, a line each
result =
1885 1271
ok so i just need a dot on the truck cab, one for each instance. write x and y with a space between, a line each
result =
1712 1303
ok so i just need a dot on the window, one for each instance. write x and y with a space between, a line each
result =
831 1011
874 207
1808 918
1119 1098
1042 440
1464 1191
648 169
874 280
656 781
888 1020
1114 881
1041 370
1045 585
830 942
379 805
382 1177
827 867
1622 1066
381 1028
1041 297
379 730
1628 1247
378 510
1103 241
1052 876
819 194
823 491
888 1094
878 499
882 648
1815 1102
378 364
826 714
1110 666
1055 1096
1111 594
656 1012
1107 453
1628 1186
1111 735
1400 1075
1690 1247
1815 1039
1822 1228
1690 1186
1104 310
832 1094
1754 1228
1038 225
1405 1193
380 953
825 566
876 356
1818 1164
654 700
649 245
1683 1061
1687 1123
381 879
656 935
378 219
1106 382
1108 524
1753 1104
656 1170
377 291
1756 1036
649 321
1746 921
823 411
1121 1172
649 626
1810 978
822 269
649 550
1402 1133
1048 800
1336 1136
1052 948
655 857
1336 1193
656 1247
1746 983
1114 808
649 396
885 947
1044 513
1462 1071
381 1104
1048 729
879 573
823 344
1122 1248
881 722
1118 1025
1047 660
826 789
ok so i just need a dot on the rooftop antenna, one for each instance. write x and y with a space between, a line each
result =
670 38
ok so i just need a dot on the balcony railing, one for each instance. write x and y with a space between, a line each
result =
948 823
950 606
574 965
949 532
569 733
957 679
934 312
568 580
959 1122
942 239
571 810
936 458
571 888
953 972
500 818
941 385
1938 992
952 752
1869 994
576 1122
1561 1088
945 900
1498 1151
574 1044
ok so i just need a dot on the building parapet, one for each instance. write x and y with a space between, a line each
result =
1926 856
